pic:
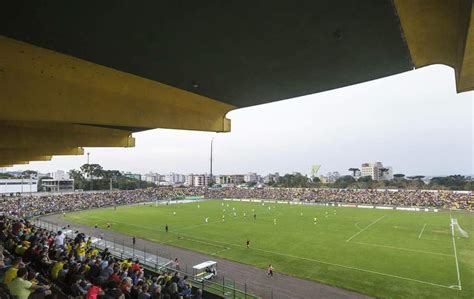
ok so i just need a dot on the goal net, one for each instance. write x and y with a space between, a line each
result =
457 230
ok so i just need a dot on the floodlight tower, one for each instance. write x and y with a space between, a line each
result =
210 175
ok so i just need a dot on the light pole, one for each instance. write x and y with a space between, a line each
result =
210 178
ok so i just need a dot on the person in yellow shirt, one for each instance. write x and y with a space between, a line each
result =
81 252
127 264
12 271
21 288
68 248
89 242
57 267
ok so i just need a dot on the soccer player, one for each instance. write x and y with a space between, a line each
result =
270 270
166 228
254 216
207 219
109 225
248 243
274 221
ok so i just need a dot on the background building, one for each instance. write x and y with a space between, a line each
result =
14 186
175 178
200 180
58 185
376 171
271 178
251 177
151 177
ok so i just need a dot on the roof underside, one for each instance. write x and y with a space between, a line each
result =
89 73
239 52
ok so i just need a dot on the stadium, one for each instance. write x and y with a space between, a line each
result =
358 245
130 81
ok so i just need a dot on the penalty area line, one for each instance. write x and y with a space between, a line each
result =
365 228
422 230
341 266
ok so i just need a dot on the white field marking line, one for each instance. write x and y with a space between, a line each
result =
455 253
357 233
357 225
332 264
327 263
401 248
422 230
219 251
202 242
338 265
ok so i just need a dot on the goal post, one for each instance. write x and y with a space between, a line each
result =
457 230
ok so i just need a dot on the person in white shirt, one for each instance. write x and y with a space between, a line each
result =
59 239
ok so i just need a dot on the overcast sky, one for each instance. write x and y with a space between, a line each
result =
414 122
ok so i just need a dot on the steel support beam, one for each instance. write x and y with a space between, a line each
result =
30 135
42 85
24 159
440 32
55 151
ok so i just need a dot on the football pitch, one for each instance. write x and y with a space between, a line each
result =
382 253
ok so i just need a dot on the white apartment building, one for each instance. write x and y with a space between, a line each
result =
376 171
175 178
251 177
200 180
151 177
189 180
14 186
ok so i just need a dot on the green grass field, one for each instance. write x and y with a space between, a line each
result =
382 253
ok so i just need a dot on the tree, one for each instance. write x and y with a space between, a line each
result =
92 170
354 171
344 181
79 180
452 182
28 174
6 176
415 177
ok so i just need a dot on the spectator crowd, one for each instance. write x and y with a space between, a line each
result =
40 205
32 259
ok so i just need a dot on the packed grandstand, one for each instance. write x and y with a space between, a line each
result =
40 205
35 261
32 259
